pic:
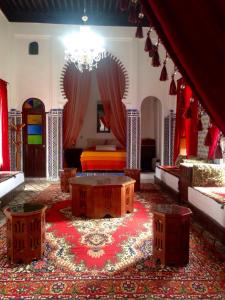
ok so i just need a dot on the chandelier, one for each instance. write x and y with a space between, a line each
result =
84 48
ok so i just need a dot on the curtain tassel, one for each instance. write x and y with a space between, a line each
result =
218 152
173 88
164 74
139 32
155 57
124 5
208 139
188 114
148 43
133 15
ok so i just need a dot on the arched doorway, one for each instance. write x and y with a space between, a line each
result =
34 138
82 111
151 132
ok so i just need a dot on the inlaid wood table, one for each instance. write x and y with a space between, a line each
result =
101 196
25 232
171 234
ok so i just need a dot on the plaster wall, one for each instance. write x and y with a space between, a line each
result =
39 76
5 50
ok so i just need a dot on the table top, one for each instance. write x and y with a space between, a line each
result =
24 208
102 180
171 209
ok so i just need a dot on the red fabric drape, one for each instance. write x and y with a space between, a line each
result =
193 33
111 83
186 127
191 124
4 143
179 128
77 89
215 134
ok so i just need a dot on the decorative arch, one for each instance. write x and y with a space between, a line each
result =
151 131
109 55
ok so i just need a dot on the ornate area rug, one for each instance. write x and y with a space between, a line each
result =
109 258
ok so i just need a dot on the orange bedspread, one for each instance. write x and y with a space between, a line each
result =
103 160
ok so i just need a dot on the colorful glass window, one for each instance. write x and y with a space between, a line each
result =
35 139
34 129
34 119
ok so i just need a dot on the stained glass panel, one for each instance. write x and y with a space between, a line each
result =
34 129
34 119
34 139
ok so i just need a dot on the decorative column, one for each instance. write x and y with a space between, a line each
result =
133 139
54 143
169 132
16 162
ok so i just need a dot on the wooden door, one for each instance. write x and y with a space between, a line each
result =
34 138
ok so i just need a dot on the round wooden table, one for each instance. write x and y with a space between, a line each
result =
101 196
25 232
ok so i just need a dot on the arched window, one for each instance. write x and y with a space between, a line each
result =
33 48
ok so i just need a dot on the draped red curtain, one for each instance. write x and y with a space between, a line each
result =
77 87
186 120
4 143
214 134
193 33
111 83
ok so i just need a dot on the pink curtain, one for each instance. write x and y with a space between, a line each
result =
77 87
4 143
111 83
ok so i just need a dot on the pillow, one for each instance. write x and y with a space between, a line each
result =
179 160
105 147
208 175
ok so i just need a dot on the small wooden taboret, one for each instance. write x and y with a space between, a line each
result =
171 234
25 232
65 174
134 174
101 196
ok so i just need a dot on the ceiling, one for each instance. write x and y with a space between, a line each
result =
100 12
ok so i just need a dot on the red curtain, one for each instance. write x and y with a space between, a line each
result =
4 146
111 83
186 120
194 35
77 87
215 134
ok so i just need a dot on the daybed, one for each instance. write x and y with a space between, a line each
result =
10 182
103 155
168 178
206 197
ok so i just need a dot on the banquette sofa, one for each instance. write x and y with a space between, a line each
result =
201 186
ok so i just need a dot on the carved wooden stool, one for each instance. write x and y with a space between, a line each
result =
134 174
65 174
25 232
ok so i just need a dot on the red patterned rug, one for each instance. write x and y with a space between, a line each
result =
109 258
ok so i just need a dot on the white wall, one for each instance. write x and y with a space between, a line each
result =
5 50
39 76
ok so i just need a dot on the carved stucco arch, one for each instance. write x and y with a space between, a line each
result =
115 59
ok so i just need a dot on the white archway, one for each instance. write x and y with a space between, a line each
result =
151 128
